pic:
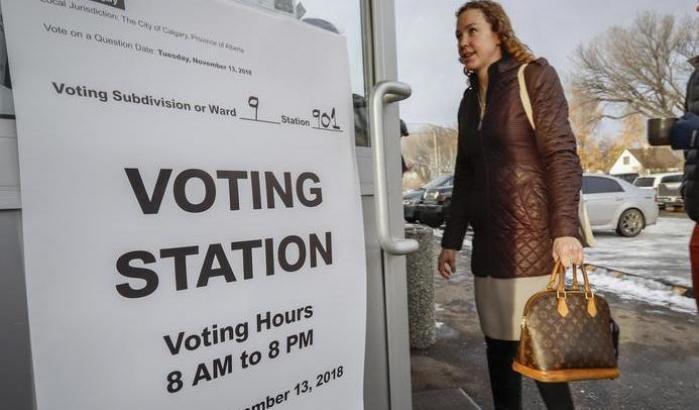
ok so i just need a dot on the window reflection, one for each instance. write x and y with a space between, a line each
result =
344 17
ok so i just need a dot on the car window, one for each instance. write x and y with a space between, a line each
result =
599 185
670 179
644 182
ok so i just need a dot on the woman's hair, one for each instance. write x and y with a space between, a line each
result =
500 24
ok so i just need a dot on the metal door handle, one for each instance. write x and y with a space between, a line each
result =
385 92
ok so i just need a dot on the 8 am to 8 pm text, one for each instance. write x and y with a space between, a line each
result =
176 380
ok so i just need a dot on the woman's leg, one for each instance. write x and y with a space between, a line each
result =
694 259
505 383
556 396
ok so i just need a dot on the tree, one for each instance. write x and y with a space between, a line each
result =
430 151
585 114
631 136
641 69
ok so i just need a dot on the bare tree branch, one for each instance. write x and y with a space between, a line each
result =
640 69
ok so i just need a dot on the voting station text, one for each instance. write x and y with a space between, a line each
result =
262 190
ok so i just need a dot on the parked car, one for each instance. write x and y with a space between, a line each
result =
630 177
666 185
614 204
669 195
434 208
412 198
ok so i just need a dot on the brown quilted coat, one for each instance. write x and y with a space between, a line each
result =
518 189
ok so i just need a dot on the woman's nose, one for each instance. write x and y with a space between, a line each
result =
463 41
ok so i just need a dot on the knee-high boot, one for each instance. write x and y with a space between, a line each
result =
505 383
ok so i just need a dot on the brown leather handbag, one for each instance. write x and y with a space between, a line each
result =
567 333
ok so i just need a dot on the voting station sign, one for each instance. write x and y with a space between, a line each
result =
191 209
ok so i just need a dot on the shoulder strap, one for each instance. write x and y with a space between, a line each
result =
585 231
524 95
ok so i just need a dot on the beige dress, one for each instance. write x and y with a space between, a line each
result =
500 303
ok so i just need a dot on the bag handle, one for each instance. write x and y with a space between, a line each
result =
554 276
558 274
589 294
586 280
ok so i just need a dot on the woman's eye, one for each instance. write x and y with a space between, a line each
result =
472 30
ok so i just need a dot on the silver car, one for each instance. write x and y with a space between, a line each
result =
667 185
614 204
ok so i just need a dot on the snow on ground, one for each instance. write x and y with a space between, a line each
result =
660 251
640 289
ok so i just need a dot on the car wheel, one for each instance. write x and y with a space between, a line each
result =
631 223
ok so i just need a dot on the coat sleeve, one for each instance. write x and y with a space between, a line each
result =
458 217
557 147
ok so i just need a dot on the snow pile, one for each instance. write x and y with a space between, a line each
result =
641 289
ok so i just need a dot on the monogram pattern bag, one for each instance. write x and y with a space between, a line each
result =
567 333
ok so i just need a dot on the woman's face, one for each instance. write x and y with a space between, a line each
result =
479 46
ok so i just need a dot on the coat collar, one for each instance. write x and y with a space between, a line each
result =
506 63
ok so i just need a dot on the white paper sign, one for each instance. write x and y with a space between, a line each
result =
191 208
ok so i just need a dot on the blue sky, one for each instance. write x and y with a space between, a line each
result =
427 58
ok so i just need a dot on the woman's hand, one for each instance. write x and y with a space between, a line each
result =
446 263
568 250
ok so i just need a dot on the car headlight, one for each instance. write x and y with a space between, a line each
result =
432 196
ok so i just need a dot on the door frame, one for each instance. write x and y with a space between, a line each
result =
380 64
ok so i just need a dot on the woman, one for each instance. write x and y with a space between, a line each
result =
516 187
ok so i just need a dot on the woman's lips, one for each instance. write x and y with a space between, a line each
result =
466 57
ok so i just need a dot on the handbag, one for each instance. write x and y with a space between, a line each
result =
567 333
585 230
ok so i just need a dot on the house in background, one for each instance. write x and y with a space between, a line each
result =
643 161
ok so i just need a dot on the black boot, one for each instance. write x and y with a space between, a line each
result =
556 396
505 383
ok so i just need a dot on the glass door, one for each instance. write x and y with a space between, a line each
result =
369 27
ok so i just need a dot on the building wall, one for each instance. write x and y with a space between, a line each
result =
626 164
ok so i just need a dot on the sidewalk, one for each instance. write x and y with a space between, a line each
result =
659 356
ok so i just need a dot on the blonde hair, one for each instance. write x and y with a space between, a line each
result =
500 24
